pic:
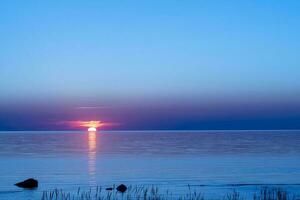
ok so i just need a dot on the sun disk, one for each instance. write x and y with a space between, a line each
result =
92 129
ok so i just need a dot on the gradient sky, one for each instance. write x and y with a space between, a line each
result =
150 64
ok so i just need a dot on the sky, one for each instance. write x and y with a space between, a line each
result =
149 65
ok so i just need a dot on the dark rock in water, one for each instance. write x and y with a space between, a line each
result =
110 188
122 188
29 183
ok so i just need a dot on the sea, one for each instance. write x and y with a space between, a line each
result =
213 163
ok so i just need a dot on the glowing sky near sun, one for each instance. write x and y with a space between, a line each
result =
88 125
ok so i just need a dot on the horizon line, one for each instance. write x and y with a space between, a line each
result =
153 130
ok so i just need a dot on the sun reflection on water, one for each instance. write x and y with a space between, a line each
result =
92 153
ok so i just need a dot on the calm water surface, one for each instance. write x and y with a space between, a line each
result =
214 162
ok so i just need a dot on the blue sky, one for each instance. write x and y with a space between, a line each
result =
149 54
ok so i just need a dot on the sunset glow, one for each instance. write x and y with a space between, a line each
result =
92 125
89 125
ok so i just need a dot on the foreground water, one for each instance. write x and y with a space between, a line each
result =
214 162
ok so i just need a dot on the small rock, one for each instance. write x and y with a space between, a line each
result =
110 188
29 183
122 188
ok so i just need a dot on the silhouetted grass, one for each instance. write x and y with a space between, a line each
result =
153 193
